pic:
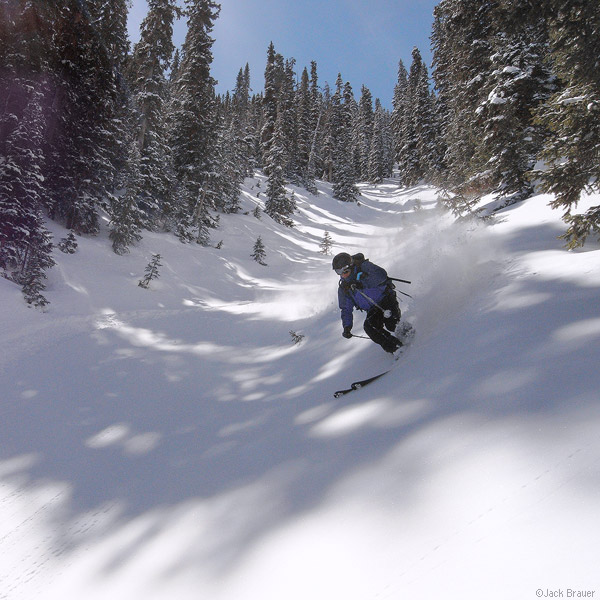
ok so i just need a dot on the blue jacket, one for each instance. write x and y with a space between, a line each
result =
375 285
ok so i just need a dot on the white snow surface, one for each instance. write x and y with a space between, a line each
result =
175 443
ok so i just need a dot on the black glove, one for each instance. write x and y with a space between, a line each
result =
345 285
347 332
357 285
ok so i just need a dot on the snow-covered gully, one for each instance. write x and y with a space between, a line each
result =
174 442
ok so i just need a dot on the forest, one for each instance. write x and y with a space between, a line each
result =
91 127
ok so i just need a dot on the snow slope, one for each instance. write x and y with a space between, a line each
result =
175 443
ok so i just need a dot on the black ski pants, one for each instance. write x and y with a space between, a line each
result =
376 323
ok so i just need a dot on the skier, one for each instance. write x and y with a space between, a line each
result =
366 286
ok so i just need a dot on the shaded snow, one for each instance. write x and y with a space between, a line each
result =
175 443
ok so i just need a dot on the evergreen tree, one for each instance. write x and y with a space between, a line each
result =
82 149
461 35
108 20
287 106
519 79
25 244
258 252
572 114
365 131
231 167
417 134
326 244
278 206
33 284
241 125
146 72
317 127
68 245
376 165
195 126
344 183
151 271
305 130
126 218
109 17
400 110
274 74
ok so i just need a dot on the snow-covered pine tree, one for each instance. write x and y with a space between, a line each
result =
399 112
25 244
151 271
414 161
343 104
572 114
326 244
519 79
241 123
33 283
109 18
278 206
195 126
231 160
376 165
317 127
305 132
287 106
258 252
82 148
274 74
365 131
126 218
146 73
388 143
68 244
461 58
109 25
439 147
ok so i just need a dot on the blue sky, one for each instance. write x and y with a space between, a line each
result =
361 39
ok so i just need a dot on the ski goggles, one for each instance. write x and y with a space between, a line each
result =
344 271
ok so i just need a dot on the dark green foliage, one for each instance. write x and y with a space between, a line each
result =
195 128
296 337
326 244
89 129
68 245
278 205
572 114
151 271
258 252
341 125
415 140
146 73
126 218
491 73
25 244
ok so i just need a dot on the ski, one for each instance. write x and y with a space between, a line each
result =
358 384
406 333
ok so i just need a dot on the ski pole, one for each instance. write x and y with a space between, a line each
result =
386 313
364 337
401 281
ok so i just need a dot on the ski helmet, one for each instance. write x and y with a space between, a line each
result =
341 260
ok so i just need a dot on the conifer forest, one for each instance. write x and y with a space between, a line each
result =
90 126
